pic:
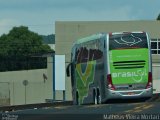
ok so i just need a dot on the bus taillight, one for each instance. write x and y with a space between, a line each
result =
110 84
110 34
149 84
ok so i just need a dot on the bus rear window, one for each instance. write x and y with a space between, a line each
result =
128 41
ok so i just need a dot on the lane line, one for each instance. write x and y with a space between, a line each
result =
61 107
149 106
128 111
138 110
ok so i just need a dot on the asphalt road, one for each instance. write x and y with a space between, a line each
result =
109 111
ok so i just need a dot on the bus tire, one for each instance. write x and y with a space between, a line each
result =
99 97
77 99
95 100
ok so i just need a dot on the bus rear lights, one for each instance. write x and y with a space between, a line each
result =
110 34
111 87
110 84
149 84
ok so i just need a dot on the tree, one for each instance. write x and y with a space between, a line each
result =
49 39
158 18
17 48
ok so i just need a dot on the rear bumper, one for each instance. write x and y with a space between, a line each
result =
112 94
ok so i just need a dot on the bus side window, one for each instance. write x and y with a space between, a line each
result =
76 55
84 57
79 54
91 54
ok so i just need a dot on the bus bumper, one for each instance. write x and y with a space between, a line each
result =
113 94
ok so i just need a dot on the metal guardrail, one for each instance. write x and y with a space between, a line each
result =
33 106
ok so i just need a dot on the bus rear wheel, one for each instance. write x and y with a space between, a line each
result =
97 97
77 99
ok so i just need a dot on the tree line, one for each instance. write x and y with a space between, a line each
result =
18 50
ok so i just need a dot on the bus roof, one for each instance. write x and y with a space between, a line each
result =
99 35
125 32
89 38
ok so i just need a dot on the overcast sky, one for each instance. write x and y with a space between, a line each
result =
40 15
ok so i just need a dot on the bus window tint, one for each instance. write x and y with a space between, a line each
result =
90 51
84 57
128 41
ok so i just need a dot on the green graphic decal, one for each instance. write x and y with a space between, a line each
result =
129 66
84 76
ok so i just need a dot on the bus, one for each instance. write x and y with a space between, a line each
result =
108 66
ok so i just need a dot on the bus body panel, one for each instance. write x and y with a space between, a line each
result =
85 73
89 69
129 66
129 94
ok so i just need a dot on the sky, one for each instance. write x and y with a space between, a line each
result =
40 15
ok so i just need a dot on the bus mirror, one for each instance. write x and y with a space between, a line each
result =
68 70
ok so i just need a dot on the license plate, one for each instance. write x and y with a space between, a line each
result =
131 93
